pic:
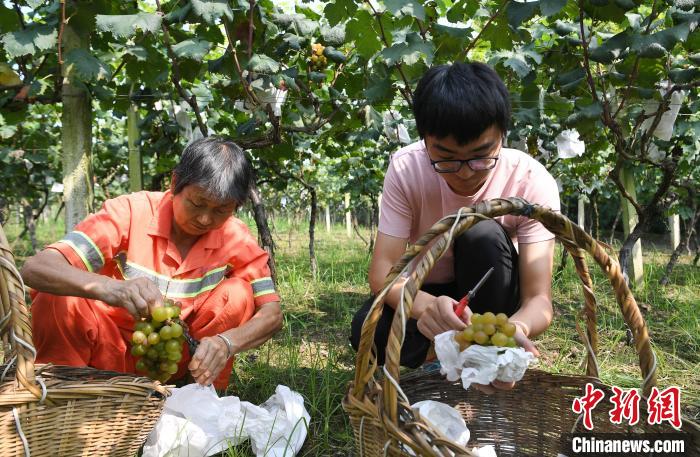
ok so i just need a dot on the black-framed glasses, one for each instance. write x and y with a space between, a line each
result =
453 166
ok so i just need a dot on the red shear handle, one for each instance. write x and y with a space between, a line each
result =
462 305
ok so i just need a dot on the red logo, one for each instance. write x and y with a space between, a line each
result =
665 406
662 405
626 406
586 404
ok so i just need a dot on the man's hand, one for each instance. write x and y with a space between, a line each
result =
138 296
523 341
535 313
208 360
439 316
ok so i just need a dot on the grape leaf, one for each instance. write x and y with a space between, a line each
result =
411 8
127 25
378 89
83 66
518 64
30 40
211 10
305 26
361 30
8 20
261 63
193 49
680 76
333 35
551 7
518 12
611 48
139 52
7 131
410 51
339 11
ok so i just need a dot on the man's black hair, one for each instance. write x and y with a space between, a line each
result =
462 100
217 165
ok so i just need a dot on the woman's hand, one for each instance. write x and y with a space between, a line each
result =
208 360
138 296
439 316
523 341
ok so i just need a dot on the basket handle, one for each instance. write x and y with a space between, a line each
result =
575 240
15 324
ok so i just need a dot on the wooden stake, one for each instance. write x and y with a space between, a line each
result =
629 221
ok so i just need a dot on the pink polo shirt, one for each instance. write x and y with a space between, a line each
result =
415 197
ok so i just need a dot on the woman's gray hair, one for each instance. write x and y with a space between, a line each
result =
217 165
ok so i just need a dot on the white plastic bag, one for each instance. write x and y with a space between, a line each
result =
485 451
394 129
278 427
196 422
480 364
664 129
569 145
176 436
450 423
266 94
444 418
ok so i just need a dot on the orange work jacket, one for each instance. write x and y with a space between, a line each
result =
130 237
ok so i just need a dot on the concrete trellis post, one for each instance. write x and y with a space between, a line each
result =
674 223
348 216
629 221
581 212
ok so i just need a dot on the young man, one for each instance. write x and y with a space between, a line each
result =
462 113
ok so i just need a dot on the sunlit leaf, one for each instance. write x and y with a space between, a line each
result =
339 11
611 49
261 63
334 35
410 51
139 52
32 39
411 8
518 12
361 30
193 48
126 26
211 10
83 66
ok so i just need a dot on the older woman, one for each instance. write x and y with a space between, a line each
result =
116 266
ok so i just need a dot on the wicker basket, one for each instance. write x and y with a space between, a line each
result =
528 420
48 410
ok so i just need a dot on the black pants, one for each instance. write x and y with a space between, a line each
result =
483 246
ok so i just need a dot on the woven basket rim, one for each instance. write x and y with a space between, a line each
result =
26 375
41 400
367 396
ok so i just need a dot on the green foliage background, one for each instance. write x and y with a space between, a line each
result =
606 68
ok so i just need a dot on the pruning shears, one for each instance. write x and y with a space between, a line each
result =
191 342
464 302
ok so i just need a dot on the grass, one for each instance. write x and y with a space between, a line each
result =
312 356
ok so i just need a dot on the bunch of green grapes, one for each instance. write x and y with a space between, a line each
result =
487 329
158 342
318 60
